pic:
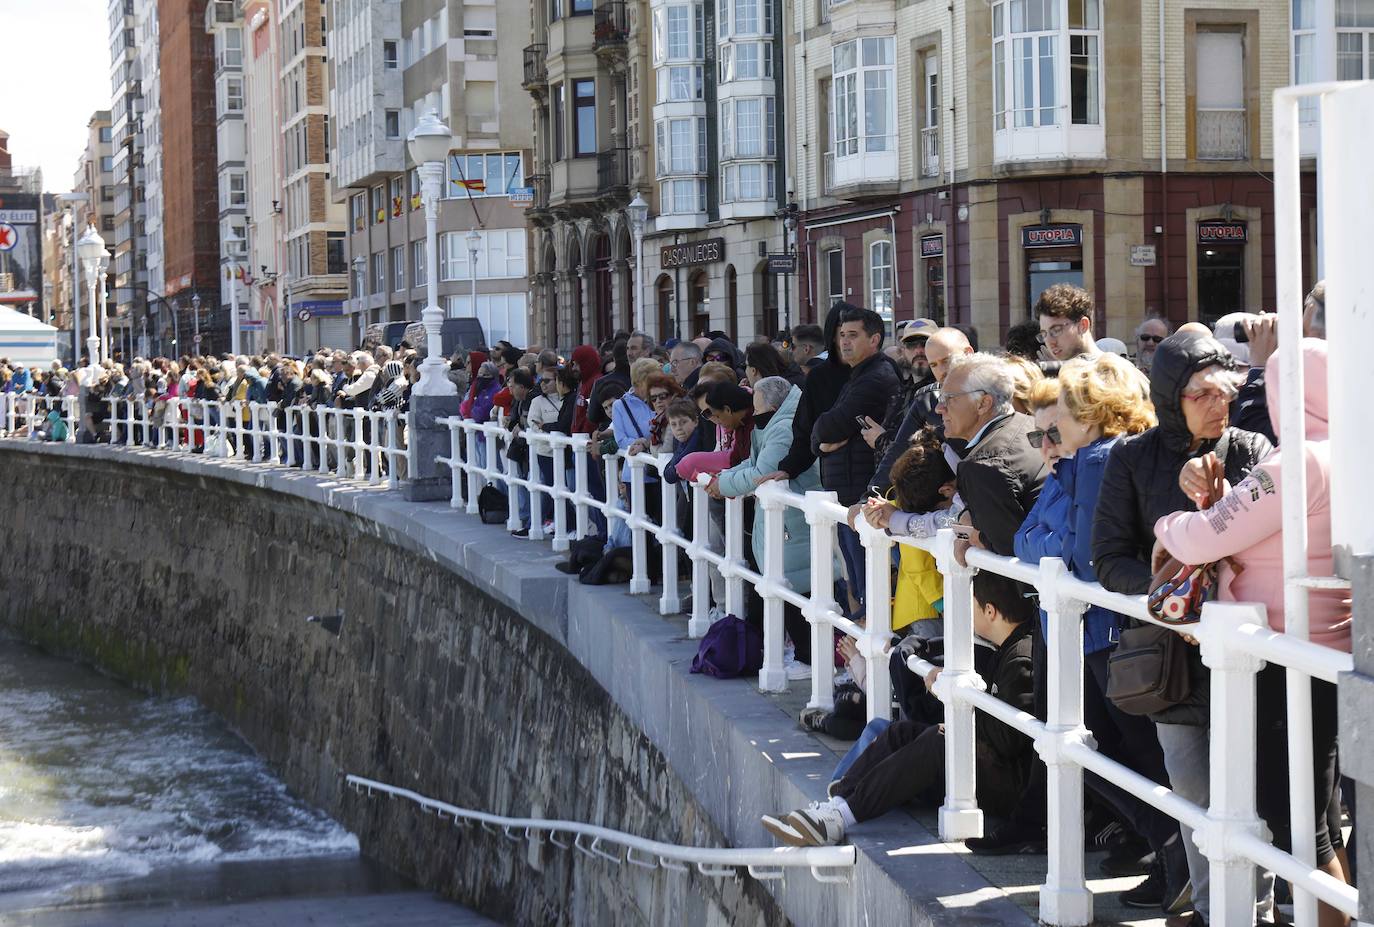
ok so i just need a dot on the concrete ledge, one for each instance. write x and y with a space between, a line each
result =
735 749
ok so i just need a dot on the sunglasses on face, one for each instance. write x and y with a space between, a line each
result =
1038 437
659 397
717 358
1153 339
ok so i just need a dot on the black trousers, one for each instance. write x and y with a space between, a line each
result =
907 763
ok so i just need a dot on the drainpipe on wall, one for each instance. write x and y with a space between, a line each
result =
1163 176
952 261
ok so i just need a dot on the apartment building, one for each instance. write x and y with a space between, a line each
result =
588 72
95 178
396 61
129 263
312 222
151 312
224 25
953 160
263 290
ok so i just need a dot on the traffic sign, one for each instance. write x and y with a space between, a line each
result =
196 340
303 315
9 237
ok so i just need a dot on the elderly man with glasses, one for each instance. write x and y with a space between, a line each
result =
1148 335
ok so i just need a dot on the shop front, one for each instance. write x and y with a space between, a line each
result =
1220 269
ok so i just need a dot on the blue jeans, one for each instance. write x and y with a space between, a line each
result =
852 550
870 733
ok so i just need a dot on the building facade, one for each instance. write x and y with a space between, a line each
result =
129 263
152 314
224 25
95 180
942 140
312 223
261 66
396 62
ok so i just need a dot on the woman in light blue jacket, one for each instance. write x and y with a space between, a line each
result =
775 405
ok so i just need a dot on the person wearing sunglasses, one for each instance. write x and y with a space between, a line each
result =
1066 321
1148 335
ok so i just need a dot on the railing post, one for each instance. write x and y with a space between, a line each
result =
582 513
393 445
821 601
474 477
877 545
560 504
240 445
321 439
290 412
508 468
534 485
668 602
639 548
70 404
457 468
734 556
960 816
340 443
700 621
1064 898
772 676
1232 749
223 430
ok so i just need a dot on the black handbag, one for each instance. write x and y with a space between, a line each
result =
1148 671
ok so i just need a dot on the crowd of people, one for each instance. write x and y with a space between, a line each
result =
1056 444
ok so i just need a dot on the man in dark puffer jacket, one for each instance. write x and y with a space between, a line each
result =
1192 381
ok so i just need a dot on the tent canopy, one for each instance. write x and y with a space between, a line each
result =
25 340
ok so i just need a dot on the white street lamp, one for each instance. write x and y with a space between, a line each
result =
105 352
429 145
195 311
90 247
231 248
474 239
638 211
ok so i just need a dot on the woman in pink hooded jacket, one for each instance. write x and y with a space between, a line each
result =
1245 525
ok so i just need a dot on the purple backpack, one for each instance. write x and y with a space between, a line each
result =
730 648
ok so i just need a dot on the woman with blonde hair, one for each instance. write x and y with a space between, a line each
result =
1026 375
1101 400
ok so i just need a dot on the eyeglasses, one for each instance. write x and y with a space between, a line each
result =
1053 332
716 358
659 397
682 360
1153 339
1210 396
1038 437
914 342
943 398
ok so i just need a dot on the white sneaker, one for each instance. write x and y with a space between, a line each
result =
820 824
796 670
784 831
715 613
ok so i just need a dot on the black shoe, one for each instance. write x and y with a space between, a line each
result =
1129 855
1008 839
1178 888
1148 894
522 533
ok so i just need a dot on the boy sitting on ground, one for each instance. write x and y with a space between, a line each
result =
907 761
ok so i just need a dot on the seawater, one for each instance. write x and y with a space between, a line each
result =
100 783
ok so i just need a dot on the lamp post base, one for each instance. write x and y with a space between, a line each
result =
427 480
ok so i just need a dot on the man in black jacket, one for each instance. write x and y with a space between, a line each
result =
916 381
907 761
847 462
1192 382
1000 475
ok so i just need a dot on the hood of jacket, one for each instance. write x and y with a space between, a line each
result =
1177 358
475 361
727 347
588 361
1314 389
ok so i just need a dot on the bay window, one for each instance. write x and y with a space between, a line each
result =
584 118
1047 75
682 196
681 146
679 33
679 84
863 108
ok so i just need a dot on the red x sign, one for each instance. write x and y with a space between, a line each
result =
9 237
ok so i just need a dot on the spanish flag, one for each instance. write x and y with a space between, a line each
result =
479 186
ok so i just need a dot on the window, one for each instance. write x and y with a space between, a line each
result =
558 129
500 255
238 190
379 272
378 205
105 135
357 211
395 189
393 123
1030 72
682 196
494 174
398 267
680 83
863 102
1354 38
233 94
584 118
231 50
555 10
581 7
1220 126
834 275
881 277
418 250
107 163
930 128
335 262
389 57
681 146
679 33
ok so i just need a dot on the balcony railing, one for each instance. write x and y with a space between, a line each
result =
930 151
541 185
1222 135
827 172
610 25
536 67
612 170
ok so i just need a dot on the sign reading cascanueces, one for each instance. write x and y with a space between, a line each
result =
1051 236
692 252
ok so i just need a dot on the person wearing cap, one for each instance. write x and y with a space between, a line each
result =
912 337
1113 346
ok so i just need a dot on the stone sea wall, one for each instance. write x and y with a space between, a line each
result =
182 582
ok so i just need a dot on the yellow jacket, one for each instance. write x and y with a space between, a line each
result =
919 587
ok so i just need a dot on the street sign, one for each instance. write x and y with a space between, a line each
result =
196 340
9 237
303 315
253 325
782 263
1142 255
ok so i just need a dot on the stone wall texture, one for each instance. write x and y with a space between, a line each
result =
184 583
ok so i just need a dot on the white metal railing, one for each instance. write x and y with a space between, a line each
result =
930 151
764 863
21 413
1222 134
